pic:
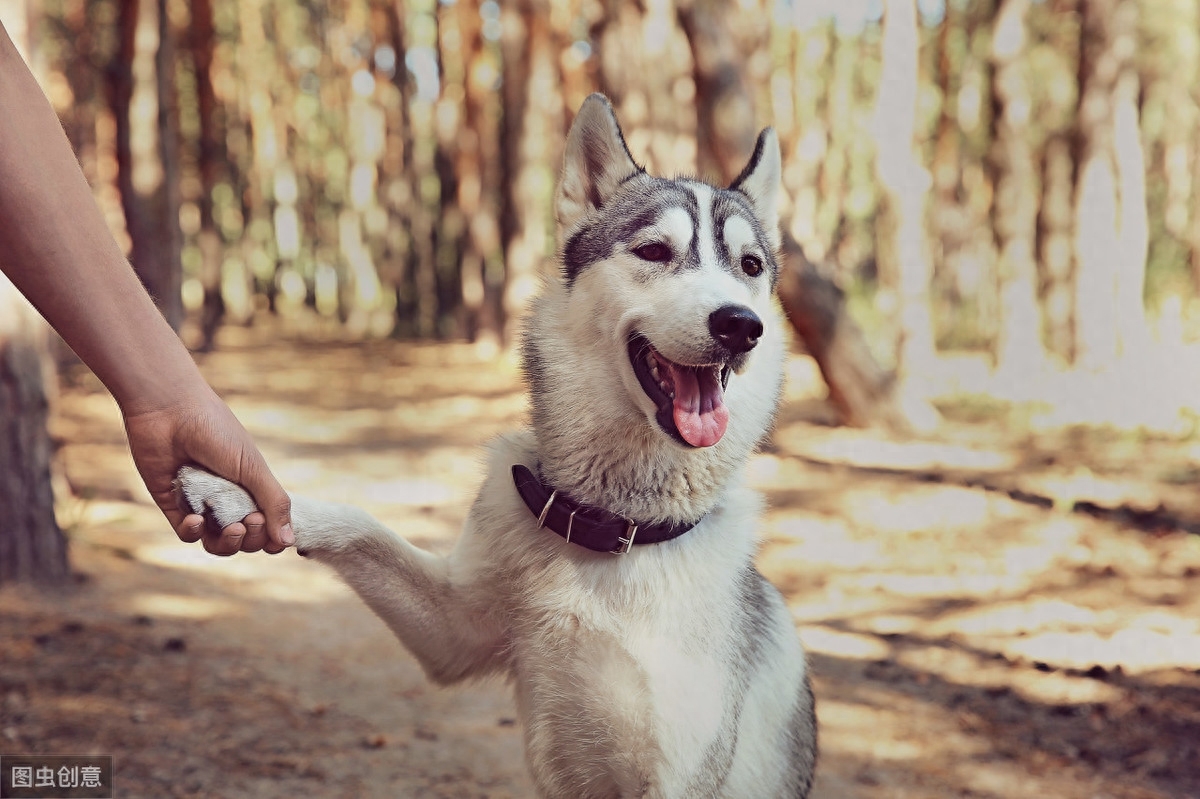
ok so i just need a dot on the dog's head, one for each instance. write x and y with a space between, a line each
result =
665 311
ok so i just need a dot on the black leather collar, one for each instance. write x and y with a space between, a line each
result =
593 528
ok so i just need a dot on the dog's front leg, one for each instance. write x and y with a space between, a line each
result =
424 598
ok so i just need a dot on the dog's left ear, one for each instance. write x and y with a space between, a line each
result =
760 180
595 161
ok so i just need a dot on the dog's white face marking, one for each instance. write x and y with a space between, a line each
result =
739 237
704 202
675 225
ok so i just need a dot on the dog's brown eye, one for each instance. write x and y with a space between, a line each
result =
751 265
654 251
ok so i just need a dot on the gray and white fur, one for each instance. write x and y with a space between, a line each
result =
673 671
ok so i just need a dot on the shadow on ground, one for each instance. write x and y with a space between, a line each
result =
987 613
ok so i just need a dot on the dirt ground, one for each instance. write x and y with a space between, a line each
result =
996 611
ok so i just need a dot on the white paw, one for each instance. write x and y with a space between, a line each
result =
214 496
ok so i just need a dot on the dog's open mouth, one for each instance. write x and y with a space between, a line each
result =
690 399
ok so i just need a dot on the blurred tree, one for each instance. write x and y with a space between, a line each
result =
540 58
861 391
1055 221
902 250
150 197
1109 196
726 122
162 271
210 160
469 119
948 215
1015 205
79 119
645 69
32 547
397 261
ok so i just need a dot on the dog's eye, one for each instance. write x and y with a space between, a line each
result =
655 251
752 265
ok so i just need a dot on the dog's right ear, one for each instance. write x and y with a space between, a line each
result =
595 162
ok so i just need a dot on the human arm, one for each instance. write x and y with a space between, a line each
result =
56 249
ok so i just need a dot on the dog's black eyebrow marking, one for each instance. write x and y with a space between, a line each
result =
729 203
630 210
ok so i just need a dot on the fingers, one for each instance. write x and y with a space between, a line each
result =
190 529
224 542
248 535
256 533
271 499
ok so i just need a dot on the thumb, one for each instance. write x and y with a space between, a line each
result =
269 496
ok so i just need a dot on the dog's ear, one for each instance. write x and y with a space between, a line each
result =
595 161
760 180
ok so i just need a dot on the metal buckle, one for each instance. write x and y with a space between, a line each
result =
546 510
626 543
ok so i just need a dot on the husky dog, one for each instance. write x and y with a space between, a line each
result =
606 566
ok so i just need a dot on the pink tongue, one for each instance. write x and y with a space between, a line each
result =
700 415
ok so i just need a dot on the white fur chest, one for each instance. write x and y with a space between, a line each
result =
621 662
631 687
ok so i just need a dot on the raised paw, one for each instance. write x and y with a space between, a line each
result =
213 496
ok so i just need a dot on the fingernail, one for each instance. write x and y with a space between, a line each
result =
287 535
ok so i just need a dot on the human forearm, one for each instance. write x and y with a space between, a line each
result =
56 248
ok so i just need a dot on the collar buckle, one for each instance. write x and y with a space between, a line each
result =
625 542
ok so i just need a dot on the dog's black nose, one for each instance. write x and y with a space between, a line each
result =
736 327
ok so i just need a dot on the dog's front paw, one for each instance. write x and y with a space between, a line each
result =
213 496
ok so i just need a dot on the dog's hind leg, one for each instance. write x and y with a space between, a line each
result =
416 593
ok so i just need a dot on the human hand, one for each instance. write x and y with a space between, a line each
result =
203 431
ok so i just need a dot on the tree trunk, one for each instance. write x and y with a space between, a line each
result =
862 393
902 249
1055 220
210 160
1019 351
833 180
79 121
535 87
398 264
148 176
1130 159
32 547
477 166
166 268
725 118
642 58
1107 47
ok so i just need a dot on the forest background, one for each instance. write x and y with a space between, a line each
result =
991 212
1014 178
